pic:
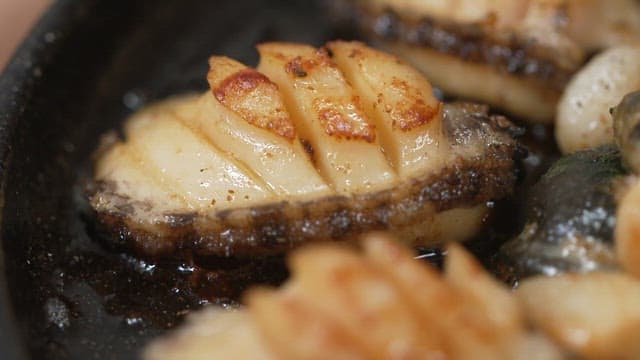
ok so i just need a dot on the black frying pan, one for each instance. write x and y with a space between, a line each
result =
85 66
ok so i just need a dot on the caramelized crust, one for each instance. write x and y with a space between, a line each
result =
241 88
344 119
411 113
341 117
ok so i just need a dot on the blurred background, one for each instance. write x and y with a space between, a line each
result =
16 18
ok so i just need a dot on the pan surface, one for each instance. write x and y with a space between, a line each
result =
86 65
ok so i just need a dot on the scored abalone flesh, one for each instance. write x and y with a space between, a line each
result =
314 144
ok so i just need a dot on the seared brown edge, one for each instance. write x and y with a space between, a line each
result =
242 83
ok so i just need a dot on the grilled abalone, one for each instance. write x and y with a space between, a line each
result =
515 54
315 144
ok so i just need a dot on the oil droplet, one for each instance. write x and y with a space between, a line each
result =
133 100
49 37
57 312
